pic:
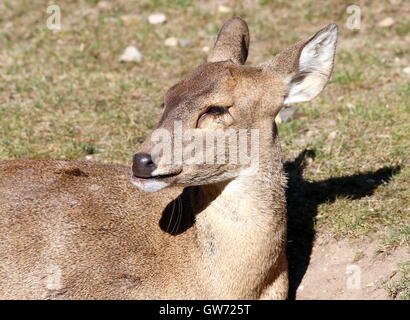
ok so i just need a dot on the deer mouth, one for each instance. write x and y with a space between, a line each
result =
156 177
166 177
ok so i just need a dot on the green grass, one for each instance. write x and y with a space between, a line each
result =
398 236
65 95
400 289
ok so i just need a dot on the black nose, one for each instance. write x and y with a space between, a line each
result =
142 165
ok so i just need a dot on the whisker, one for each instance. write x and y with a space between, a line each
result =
172 215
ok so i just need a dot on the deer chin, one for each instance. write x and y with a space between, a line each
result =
149 185
154 183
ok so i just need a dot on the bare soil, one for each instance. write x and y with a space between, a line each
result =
328 276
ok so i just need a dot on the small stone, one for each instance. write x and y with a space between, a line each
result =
383 136
278 120
332 135
287 114
157 18
91 12
331 122
171 42
203 34
104 5
129 19
9 25
131 54
224 9
350 106
407 70
185 42
310 133
88 157
206 49
386 22
5 59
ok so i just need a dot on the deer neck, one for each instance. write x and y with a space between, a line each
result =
242 231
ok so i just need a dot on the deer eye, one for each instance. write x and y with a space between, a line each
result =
214 111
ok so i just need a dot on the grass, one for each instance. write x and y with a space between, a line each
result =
64 94
397 236
400 288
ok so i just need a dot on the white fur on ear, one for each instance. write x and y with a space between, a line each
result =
315 66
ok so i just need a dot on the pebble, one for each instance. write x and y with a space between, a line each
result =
157 18
310 133
407 70
131 54
224 9
331 122
104 5
386 22
206 49
332 135
171 42
129 19
185 42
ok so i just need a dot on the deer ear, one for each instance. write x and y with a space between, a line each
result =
232 42
306 67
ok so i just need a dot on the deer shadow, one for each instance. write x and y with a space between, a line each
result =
304 197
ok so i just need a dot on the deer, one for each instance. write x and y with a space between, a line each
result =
72 229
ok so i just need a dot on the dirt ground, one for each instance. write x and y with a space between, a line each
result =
334 274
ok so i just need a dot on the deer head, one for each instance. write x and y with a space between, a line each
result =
226 97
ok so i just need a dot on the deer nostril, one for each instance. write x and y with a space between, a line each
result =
142 165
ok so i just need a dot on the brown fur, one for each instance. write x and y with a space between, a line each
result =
80 230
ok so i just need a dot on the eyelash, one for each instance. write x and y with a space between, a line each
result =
214 111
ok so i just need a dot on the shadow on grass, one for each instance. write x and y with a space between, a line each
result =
304 197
